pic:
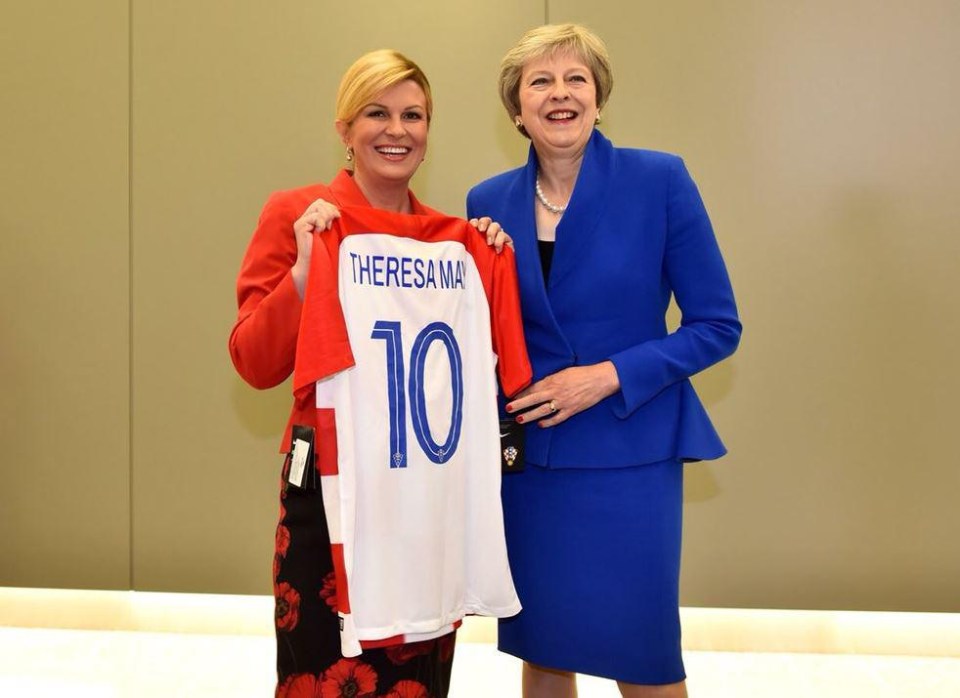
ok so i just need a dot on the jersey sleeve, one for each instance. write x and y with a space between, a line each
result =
323 345
503 296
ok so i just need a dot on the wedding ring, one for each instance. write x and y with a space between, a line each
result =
553 406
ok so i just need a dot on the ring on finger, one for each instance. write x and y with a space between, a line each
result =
553 405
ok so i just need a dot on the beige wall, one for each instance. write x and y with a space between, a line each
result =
824 138
140 140
226 108
64 295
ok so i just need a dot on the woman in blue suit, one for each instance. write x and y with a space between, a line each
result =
603 237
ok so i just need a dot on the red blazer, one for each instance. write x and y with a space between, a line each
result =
263 341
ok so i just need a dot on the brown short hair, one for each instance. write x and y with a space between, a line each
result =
373 73
550 39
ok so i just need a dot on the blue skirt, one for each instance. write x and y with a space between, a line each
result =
595 556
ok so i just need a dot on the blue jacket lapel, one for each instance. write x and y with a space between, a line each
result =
543 331
587 204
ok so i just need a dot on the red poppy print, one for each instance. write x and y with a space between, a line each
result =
401 654
447 643
299 686
287 607
348 678
282 540
329 591
408 689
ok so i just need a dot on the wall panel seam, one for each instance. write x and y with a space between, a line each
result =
130 305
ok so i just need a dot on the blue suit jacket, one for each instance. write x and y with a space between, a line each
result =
635 232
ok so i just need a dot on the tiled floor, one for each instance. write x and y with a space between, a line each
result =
120 664
123 644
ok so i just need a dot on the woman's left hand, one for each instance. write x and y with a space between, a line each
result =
563 394
496 236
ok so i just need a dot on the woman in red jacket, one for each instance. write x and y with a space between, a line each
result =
383 114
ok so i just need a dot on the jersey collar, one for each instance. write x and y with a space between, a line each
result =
347 193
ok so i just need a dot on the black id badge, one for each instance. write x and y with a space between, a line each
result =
511 446
301 472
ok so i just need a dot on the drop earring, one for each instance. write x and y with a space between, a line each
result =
349 153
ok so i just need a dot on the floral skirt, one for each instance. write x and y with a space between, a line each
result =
309 662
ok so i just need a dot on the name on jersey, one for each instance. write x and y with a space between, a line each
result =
407 272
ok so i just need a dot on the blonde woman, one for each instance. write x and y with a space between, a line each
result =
383 113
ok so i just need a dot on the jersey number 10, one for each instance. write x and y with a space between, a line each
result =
389 331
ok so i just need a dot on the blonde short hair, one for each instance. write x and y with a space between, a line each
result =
547 40
373 73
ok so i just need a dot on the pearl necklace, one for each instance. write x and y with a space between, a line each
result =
547 204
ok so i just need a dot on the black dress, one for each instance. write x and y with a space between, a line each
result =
309 662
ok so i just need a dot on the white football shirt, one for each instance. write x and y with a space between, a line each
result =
397 333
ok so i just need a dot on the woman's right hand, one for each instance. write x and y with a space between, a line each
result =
496 236
318 217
